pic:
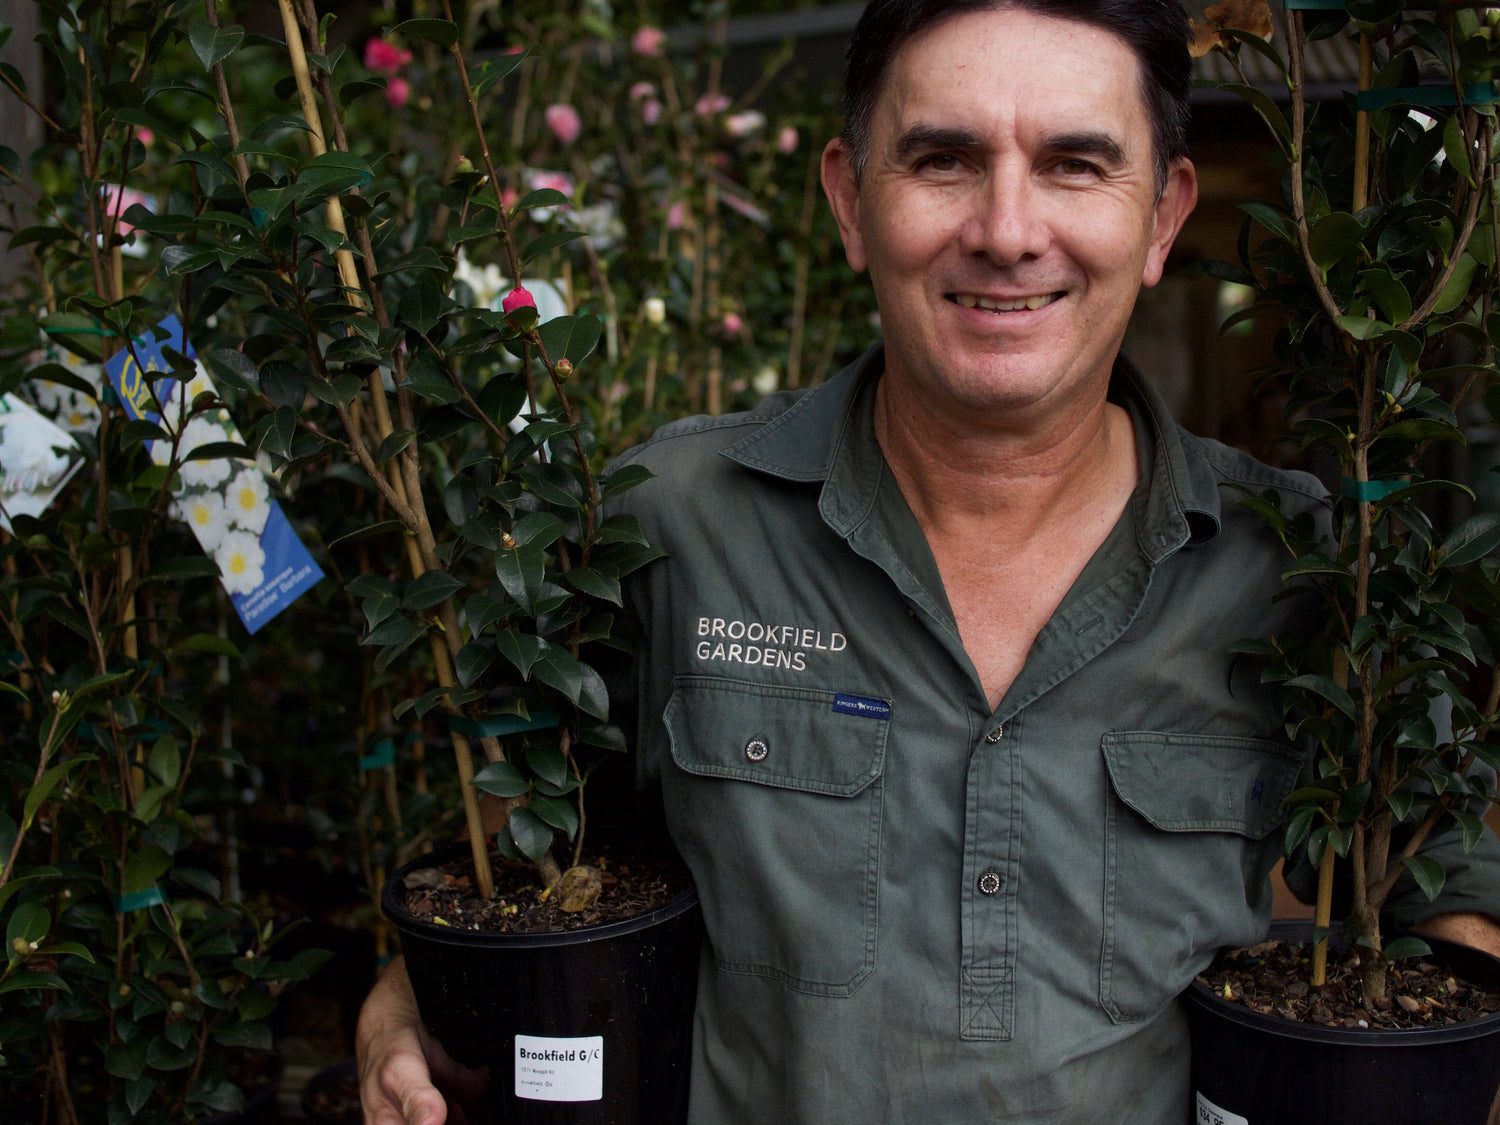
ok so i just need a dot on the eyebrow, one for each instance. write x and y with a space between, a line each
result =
922 138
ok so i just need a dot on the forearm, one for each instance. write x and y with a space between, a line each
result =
1478 930
394 1079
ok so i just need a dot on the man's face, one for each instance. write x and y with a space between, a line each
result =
1007 212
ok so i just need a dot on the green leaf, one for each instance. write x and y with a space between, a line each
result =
1389 295
484 78
521 570
442 32
538 529
502 779
393 444
531 834
212 44
521 649
207 642
421 307
1456 291
250 1036
560 669
1327 689
1334 238
1428 873
1403 947
589 581
543 197
1470 541
143 869
546 242
472 661
49 781
548 763
165 761
30 923
593 695
1269 112
430 589
1456 148
1471 826
558 812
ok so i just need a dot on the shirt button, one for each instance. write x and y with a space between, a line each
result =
756 749
995 735
989 883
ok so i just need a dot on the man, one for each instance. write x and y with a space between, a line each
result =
935 680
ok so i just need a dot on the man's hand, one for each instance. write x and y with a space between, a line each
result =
1478 930
398 1062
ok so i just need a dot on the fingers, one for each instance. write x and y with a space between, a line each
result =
395 1085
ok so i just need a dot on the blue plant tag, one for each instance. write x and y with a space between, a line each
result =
862 706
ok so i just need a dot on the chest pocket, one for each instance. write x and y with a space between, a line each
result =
775 803
1187 857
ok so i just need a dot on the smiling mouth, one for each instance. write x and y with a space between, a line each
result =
973 301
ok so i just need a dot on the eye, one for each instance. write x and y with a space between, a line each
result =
939 162
1074 167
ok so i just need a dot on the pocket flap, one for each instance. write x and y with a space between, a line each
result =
1201 782
790 738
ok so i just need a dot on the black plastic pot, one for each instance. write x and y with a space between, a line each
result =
1265 1070
604 1014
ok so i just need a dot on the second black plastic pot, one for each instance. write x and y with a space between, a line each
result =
585 1027
1265 1070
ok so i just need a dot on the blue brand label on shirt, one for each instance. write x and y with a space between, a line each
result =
862 706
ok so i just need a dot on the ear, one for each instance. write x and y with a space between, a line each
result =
841 186
1172 209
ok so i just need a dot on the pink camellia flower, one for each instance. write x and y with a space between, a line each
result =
651 112
145 136
648 41
116 201
676 216
397 91
385 57
787 139
564 122
517 298
641 90
710 104
733 324
515 49
508 198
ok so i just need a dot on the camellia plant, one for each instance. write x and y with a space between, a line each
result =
1380 263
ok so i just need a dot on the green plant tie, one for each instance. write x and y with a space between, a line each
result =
384 754
1478 93
498 725
1371 490
140 900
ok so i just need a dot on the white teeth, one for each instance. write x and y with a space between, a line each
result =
969 301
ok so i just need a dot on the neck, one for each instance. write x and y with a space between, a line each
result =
1015 477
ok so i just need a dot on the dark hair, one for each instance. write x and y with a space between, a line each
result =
1156 31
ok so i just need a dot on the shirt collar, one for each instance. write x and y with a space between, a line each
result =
828 435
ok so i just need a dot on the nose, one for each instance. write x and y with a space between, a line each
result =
1006 223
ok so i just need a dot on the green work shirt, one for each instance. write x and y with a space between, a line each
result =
920 908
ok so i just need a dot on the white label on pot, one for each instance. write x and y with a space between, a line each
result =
1210 1114
560 1070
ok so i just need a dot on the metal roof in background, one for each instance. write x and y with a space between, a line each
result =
1332 64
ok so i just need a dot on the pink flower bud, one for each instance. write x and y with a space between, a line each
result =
384 56
733 324
676 216
641 90
710 104
397 92
786 140
564 122
145 136
517 298
514 49
651 112
648 41
508 198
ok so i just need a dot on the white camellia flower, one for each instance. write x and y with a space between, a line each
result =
204 513
204 430
247 500
241 561
765 380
